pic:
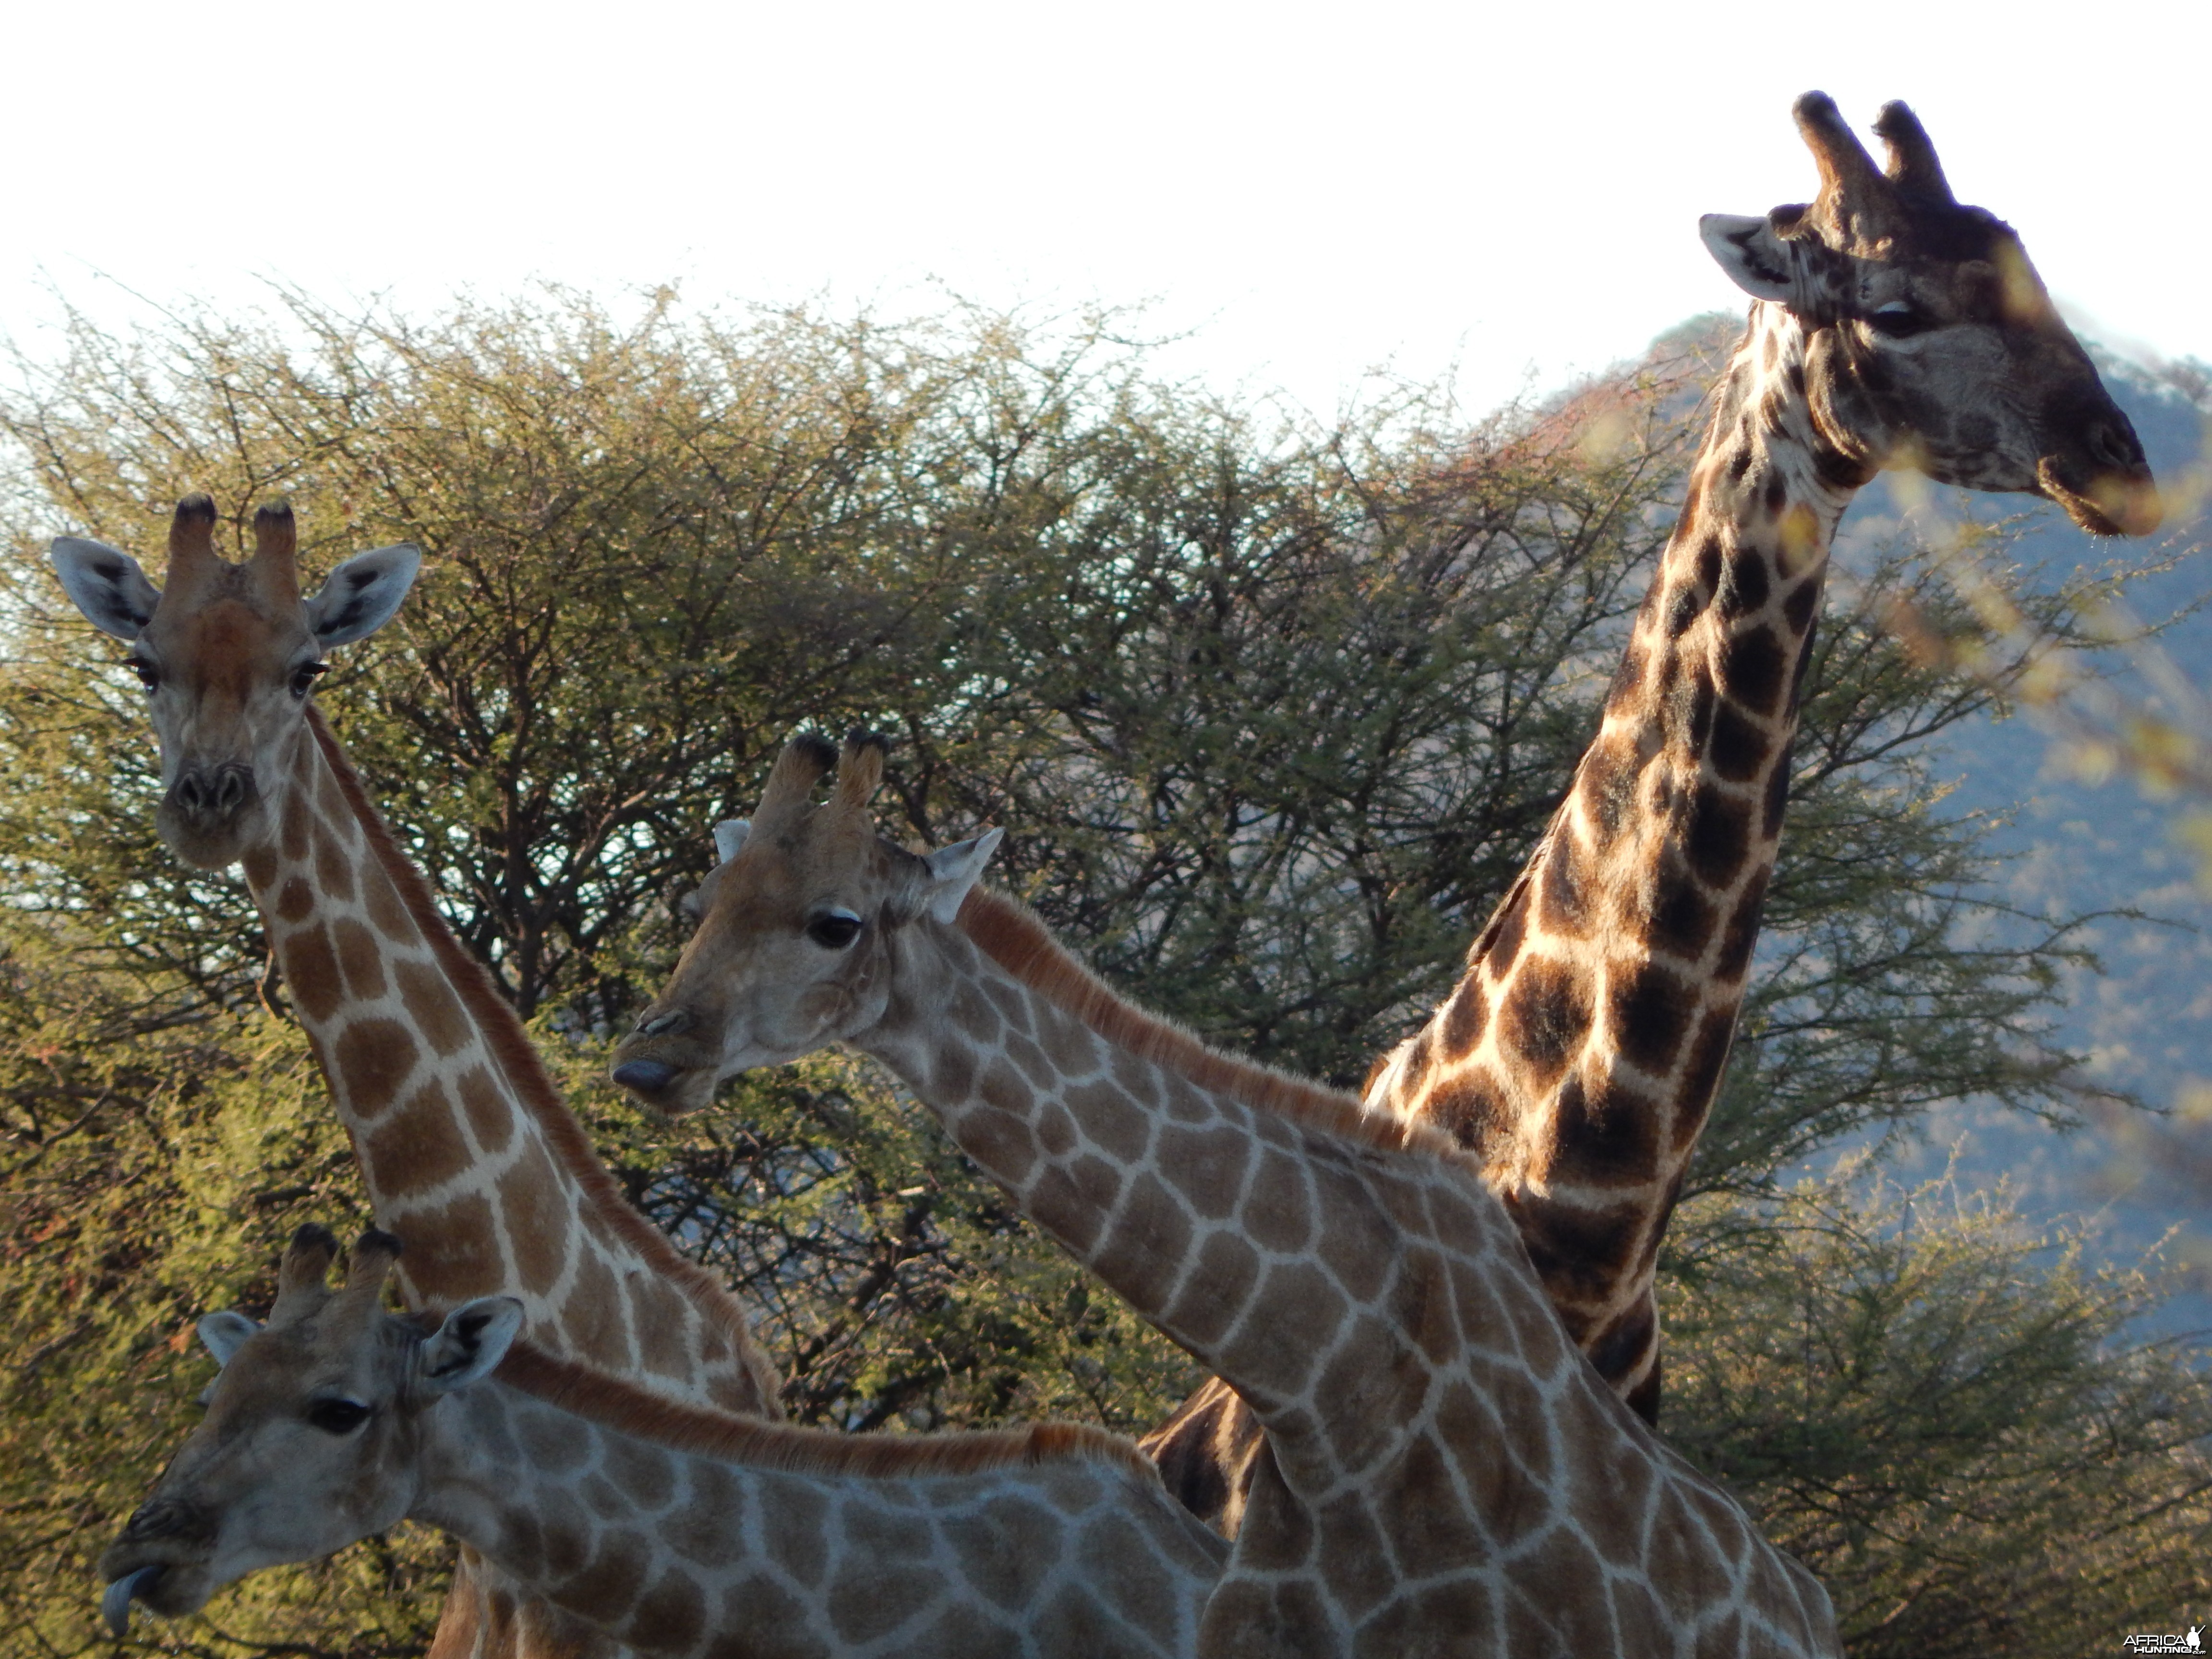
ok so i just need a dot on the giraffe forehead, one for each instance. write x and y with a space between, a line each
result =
228 646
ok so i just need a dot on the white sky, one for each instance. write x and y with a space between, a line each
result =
1511 188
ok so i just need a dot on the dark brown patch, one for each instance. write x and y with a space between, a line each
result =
1708 1054
670 1617
1746 586
1720 832
1562 888
1215 1291
492 1113
1278 1213
1607 1133
310 969
296 901
418 1146
1504 936
360 958
333 869
709 1528
1430 1532
646 1474
299 824
455 1247
431 1004
1460 1023
1275 1350
1466 1108
1545 1018
1651 1009
1111 1120
1620 1348
1001 1141
534 1206
373 1058
1797 609
1742 933
1578 1252
1071 1200
1143 1251
1776 493
607 1588
1777 801
1608 786
387 909
592 1314
1627 688
260 868
1682 917
1752 670
1029 1059
1708 562
1055 1130
1206 1166
1738 745
1684 604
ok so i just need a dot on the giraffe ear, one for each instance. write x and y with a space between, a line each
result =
106 584
730 838
473 1340
224 1333
953 869
363 594
1752 254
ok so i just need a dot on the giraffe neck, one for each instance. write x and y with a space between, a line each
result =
1580 1054
1433 1439
466 1149
742 1538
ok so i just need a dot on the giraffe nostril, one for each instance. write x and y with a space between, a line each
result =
672 1022
646 1076
2113 447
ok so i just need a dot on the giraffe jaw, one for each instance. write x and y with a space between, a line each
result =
2110 503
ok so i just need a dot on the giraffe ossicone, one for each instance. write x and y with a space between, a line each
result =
677 1533
465 1143
1442 1471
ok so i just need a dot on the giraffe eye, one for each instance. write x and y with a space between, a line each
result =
337 1415
304 676
834 930
1897 320
148 676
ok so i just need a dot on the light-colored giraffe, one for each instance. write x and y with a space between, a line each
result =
1578 1056
463 1140
1443 1472
680 1534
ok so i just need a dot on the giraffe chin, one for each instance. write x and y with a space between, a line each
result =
212 846
2105 503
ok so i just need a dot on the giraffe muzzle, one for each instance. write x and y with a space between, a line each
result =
213 795
644 1077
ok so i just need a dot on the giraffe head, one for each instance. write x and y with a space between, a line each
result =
1932 342
229 654
311 1430
799 928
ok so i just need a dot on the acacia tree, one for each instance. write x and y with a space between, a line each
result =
1273 710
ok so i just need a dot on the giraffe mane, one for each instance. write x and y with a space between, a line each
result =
519 1061
615 1403
1014 937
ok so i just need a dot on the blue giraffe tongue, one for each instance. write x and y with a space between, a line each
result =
115 1606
